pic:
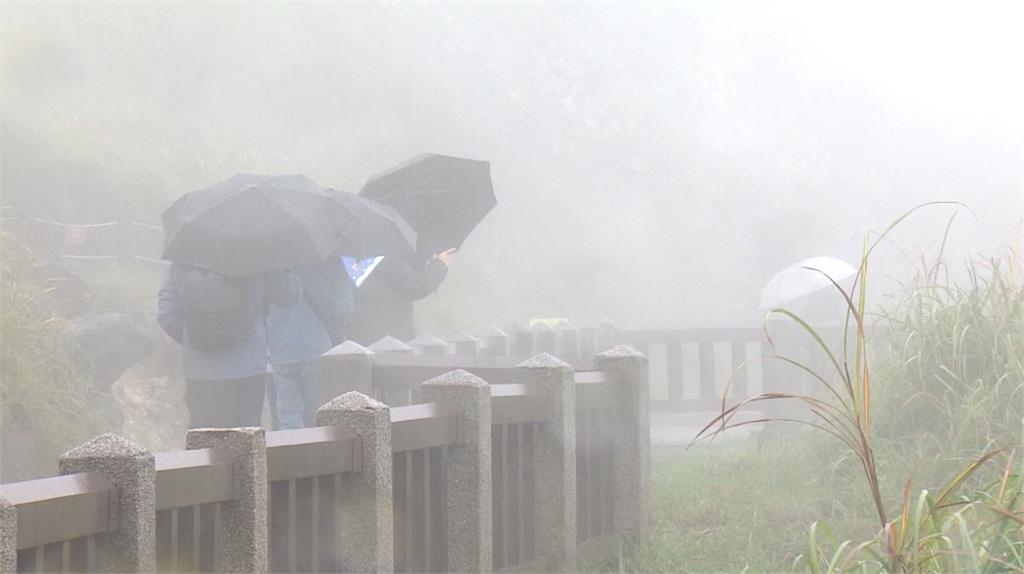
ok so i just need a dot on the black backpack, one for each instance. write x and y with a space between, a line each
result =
217 311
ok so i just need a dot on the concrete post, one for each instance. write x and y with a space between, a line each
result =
390 344
469 469
544 340
428 344
132 548
555 453
465 345
632 441
494 342
345 368
365 517
243 525
520 342
8 537
605 335
568 342
588 340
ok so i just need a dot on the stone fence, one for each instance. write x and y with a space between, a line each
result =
531 466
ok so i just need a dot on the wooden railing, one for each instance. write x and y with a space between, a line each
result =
305 468
540 471
191 487
59 520
690 369
420 437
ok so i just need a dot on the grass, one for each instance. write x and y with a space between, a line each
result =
953 358
932 473
46 404
734 508
730 509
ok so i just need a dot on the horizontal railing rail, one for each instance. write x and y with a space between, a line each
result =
191 477
420 426
314 451
516 403
477 475
640 337
62 508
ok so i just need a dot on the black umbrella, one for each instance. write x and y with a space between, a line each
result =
251 223
443 197
371 228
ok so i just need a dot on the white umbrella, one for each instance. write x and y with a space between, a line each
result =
804 278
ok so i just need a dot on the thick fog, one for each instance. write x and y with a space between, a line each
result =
654 163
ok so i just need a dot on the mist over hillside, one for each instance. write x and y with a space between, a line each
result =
653 163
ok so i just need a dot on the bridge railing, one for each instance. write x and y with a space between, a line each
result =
59 520
541 471
690 369
192 488
305 472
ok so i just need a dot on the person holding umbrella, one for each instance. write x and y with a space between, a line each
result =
233 246
443 198
385 300
221 326
298 334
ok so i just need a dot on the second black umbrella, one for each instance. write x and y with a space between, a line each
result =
443 197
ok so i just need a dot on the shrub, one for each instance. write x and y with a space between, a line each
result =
951 359
964 346
46 404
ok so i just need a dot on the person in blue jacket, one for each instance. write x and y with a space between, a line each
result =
299 334
225 386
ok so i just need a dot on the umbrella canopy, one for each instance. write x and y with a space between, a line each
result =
802 279
248 224
443 197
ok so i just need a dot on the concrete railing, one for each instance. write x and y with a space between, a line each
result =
543 470
690 369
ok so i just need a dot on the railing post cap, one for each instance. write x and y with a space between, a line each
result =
218 437
544 361
457 377
516 327
348 348
541 327
389 344
353 401
226 431
106 447
620 352
490 331
426 340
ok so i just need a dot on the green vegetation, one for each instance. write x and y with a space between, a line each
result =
924 440
43 399
952 359
731 508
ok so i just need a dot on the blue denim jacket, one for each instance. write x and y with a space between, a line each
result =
296 333
244 360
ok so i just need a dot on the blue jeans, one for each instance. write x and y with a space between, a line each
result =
295 394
